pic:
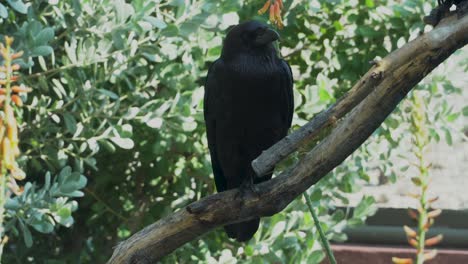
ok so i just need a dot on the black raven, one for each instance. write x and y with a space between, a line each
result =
248 106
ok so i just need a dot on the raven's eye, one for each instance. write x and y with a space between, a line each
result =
260 31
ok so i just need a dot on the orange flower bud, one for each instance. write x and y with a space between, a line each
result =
433 240
17 100
279 20
430 255
8 158
2 130
18 173
20 89
264 8
412 214
12 133
14 186
2 98
17 55
413 242
16 150
15 67
433 199
272 13
8 40
414 195
280 3
402 260
410 232
2 91
435 213
9 115
428 224
14 78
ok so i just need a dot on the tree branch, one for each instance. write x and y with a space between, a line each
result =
372 99
272 156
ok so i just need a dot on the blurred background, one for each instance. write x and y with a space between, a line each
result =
113 138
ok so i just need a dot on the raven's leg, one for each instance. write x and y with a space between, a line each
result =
250 184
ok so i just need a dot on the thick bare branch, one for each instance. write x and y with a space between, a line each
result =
402 70
265 163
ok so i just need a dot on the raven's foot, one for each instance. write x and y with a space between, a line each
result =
436 15
249 185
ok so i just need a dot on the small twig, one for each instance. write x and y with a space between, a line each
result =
323 238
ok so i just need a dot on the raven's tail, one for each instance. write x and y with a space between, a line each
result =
242 231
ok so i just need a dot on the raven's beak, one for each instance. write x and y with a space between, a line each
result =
266 37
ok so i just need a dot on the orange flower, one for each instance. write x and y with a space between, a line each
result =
402 260
9 40
17 100
20 89
430 255
413 242
435 213
264 8
412 214
433 240
275 12
410 232
8 157
12 132
16 55
18 173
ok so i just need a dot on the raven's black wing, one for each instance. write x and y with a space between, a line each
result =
287 87
210 109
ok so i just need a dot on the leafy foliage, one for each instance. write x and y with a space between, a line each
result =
117 105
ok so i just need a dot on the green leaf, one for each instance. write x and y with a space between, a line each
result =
369 32
370 3
188 28
177 3
316 257
42 51
316 195
324 95
448 137
155 122
70 122
465 111
125 143
42 224
452 117
366 207
278 229
18 6
109 94
28 240
107 145
12 204
3 11
46 35
155 22
170 31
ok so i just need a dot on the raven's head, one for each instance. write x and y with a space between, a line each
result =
251 37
